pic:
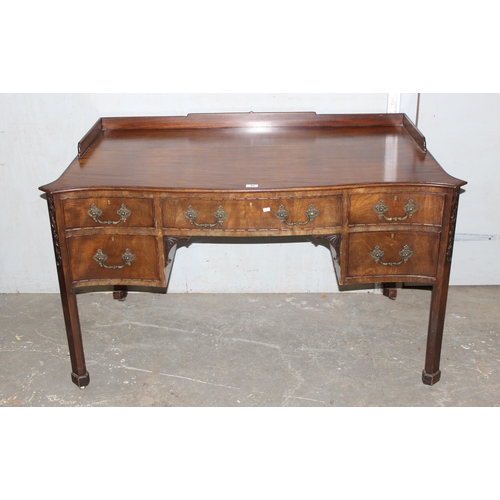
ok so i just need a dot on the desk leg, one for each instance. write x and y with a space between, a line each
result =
390 290
120 292
432 373
79 375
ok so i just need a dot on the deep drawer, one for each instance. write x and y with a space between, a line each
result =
396 208
390 254
113 257
286 213
108 212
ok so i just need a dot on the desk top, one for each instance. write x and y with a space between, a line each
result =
252 152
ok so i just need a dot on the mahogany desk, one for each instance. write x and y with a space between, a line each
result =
364 183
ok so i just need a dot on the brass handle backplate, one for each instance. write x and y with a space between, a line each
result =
191 214
380 209
123 212
101 258
405 254
311 213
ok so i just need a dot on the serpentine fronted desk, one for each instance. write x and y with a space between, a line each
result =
364 183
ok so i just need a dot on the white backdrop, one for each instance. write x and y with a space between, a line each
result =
38 138
463 134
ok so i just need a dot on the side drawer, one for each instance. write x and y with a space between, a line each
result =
108 212
113 257
282 213
396 208
401 253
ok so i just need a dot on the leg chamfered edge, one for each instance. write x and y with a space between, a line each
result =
431 378
80 380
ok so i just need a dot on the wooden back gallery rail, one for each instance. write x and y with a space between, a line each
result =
364 183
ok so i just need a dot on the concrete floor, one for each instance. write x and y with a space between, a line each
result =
350 349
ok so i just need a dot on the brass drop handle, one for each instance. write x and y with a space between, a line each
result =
311 213
405 254
101 258
191 214
123 212
380 209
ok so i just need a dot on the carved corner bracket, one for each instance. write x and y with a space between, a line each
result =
334 240
170 242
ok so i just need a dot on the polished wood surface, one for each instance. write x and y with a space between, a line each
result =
365 184
270 156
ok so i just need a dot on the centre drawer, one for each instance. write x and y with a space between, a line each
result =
396 208
405 253
113 257
243 214
108 212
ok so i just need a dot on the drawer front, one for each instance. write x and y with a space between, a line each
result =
285 213
113 257
396 208
108 212
390 254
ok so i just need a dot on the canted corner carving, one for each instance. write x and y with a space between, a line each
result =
453 223
53 227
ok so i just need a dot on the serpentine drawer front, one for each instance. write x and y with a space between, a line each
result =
108 212
364 184
384 254
113 257
396 208
253 213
